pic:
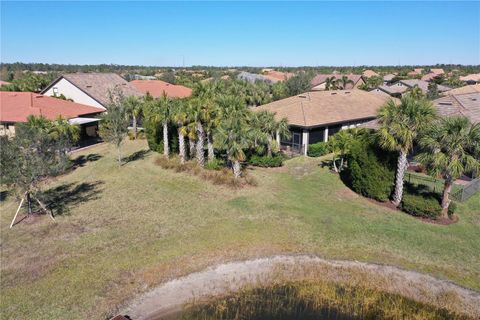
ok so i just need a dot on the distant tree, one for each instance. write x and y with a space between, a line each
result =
30 82
169 77
331 83
114 124
450 148
400 125
279 90
344 82
298 84
432 92
455 82
33 154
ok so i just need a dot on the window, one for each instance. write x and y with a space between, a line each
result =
55 90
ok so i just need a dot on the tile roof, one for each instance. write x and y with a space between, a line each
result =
429 76
465 89
3 82
471 77
437 71
157 87
278 75
98 85
17 106
392 89
389 77
422 85
467 105
318 108
321 78
369 73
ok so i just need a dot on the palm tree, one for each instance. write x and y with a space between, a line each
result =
196 124
283 130
134 108
340 143
233 133
399 127
264 129
63 130
344 81
160 111
180 116
331 83
449 149
415 92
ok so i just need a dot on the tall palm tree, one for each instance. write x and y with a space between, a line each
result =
160 111
233 133
331 83
344 81
399 127
180 116
134 107
449 149
197 118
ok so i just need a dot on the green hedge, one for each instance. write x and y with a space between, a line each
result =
420 205
370 171
266 161
215 164
318 149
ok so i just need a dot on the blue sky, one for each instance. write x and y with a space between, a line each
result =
241 33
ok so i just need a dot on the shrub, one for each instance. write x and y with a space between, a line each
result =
370 171
421 205
452 208
215 164
266 161
318 149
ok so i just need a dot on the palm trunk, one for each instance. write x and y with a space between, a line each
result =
334 164
237 172
166 150
401 167
211 151
269 147
181 147
447 188
200 144
342 156
135 133
191 147
29 203
119 155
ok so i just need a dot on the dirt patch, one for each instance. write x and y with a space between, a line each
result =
170 297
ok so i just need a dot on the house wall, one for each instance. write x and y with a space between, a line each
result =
70 91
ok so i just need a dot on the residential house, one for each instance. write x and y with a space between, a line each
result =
17 106
423 85
4 83
253 77
277 75
388 78
415 72
369 73
319 81
394 91
471 78
317 115
437 71
467 104
428 77
157 88
91 89
465 89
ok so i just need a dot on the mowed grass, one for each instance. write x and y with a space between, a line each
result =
125 230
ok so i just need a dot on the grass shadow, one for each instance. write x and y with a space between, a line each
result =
59 199
4 195
138 155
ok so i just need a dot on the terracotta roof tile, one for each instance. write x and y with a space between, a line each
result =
157 87
17 106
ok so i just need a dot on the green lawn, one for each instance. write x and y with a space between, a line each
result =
127 229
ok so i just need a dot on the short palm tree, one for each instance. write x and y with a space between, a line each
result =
134 108
340 143
331 83
399 127
345 81
233 134
449 149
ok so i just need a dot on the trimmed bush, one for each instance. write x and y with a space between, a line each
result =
370 171
266 161
318 149
421 205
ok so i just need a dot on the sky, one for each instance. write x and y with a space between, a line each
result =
241 33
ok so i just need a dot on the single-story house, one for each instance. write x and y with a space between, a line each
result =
415 72
253 77
429 77
467 104
471 78
157 88
315 116
437 71
465 89
423 85
319 81
17 106
388 78
394 91
277 75
369 73
91 89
